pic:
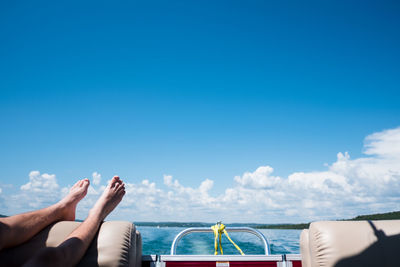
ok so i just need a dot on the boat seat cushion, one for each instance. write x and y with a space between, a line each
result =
117 243
304 249
351 243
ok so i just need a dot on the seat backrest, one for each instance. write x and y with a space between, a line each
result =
352 243
116 244
305 249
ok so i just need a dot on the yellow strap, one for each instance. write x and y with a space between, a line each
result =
215 230
217 235
236 246
218 229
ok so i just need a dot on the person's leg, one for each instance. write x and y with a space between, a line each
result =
17 229
71 251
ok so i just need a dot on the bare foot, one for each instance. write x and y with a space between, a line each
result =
110 198
68 203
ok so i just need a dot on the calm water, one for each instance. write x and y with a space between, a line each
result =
159 240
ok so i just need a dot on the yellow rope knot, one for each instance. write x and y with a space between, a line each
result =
218 230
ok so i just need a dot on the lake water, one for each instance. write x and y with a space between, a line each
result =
158 241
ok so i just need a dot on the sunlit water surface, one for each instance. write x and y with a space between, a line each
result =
158 241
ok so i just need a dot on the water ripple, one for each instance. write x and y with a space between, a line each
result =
158 241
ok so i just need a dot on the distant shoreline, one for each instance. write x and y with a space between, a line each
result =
395 215
199 224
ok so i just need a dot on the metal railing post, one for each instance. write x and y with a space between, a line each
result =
187 231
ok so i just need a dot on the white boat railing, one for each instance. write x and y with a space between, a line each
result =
187 231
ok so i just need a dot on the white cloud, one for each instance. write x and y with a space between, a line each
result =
96 178
384 144
39 192
344 188
40 183
259 179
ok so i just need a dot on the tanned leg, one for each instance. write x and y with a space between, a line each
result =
71 251
17 229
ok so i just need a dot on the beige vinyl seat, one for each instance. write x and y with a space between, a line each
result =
117 243
351 243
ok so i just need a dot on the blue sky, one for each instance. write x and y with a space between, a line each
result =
196 90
